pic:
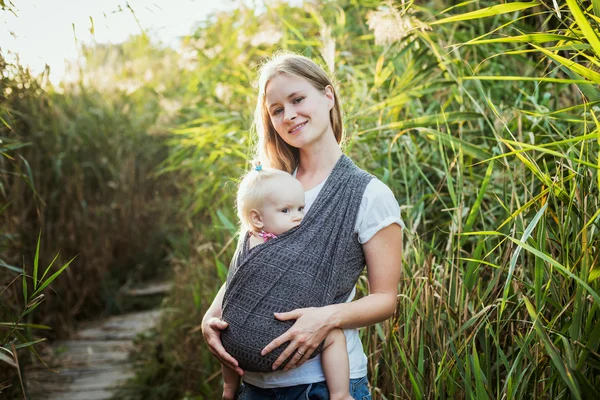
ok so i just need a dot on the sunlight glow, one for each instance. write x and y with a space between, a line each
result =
47 32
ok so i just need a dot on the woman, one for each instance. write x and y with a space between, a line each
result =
299 121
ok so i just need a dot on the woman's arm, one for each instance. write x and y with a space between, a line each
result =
212 325
383 255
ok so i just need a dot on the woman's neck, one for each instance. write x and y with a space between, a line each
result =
317 161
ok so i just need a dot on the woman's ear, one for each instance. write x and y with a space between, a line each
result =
330 96
256 219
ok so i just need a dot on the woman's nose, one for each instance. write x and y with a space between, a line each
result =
289 114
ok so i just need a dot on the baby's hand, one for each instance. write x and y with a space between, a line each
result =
228 395
229 391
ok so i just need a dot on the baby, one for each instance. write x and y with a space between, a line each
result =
271 202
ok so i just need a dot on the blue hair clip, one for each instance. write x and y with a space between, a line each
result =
258 167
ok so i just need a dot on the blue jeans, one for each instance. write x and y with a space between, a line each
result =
359 389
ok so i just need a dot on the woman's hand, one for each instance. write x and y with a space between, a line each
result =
311 328
211 330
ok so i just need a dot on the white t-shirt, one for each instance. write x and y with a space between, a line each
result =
378 209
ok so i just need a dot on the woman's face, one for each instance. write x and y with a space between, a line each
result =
298 111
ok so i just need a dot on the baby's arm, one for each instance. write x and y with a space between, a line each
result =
231 383
334 359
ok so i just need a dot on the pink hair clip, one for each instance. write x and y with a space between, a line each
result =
266 235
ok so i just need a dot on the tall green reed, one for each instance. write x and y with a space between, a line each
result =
517 227
16 329
483 121
85 177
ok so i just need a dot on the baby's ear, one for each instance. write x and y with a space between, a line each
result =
256 219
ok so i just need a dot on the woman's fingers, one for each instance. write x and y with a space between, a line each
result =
278 341
299 358
306 334
297 355
213 325
219 351
307 353
287 336
286 316
287 353
217 323
212 334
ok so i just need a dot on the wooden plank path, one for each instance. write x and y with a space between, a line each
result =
94 363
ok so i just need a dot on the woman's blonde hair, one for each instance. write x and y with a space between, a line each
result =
252 191
271 149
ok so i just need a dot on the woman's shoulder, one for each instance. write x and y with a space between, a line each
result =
379 200
376 188
378 209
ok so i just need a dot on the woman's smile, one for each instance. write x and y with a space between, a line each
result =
296 128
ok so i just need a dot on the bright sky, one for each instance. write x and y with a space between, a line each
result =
44 31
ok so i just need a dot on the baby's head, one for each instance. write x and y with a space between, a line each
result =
270 200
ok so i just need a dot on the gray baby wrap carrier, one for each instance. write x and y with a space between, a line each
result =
312 265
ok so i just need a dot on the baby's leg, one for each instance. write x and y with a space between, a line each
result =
231 383
334 359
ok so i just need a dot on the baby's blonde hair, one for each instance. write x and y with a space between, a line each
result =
252 192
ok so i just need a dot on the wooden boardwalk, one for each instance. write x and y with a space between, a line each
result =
92 364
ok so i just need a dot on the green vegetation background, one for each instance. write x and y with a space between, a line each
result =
481 117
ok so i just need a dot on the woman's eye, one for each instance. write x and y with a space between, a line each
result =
298 100
277 111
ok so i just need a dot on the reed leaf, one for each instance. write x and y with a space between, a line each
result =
36 261
24 283
51 279
587 30
480 380
528 79
11 147
595 296
488 12
515 255
22 325
572 65
11 267
8 360
564 371
29 344
435 120
531 38
480 195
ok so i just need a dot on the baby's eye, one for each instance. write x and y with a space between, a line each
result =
301 208
285 210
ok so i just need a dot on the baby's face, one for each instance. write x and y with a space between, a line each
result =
284 205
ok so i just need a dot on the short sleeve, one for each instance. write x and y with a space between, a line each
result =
378 209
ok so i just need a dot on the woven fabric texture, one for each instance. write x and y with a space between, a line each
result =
313 265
